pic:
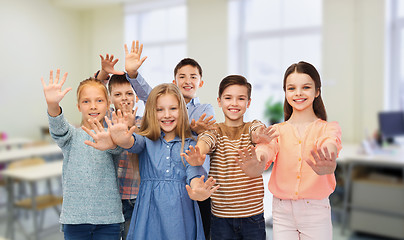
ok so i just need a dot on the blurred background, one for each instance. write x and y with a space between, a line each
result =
357 46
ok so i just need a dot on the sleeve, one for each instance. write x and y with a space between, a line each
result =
140 86
209 137
116 151
60 130
138 145
331 134
210 111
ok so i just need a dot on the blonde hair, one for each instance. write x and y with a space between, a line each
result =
150 126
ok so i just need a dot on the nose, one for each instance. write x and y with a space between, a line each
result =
166 113
93 105
298 92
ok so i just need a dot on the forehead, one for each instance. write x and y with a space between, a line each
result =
235 90
121 87
299 78
92 91
188 70
167 99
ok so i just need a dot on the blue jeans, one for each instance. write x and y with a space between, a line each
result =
127 209
92 231
252 228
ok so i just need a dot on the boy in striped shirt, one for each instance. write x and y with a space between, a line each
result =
237 206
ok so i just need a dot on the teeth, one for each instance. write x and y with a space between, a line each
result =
300 100
233 110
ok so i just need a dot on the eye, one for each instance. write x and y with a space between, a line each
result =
85 101
117 94
227 98
130 94
100 100
242 99
159 109
173 108
291 88
306 87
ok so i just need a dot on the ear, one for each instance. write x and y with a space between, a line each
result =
200 83
318 92
248 103
78 107
175 82
218 102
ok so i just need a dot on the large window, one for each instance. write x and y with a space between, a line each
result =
161 27
265 37
395 94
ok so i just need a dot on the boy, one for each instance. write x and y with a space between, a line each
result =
237 206
123 98
188 78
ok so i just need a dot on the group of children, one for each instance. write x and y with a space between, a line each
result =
183 176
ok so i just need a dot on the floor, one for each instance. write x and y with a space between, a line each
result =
52 231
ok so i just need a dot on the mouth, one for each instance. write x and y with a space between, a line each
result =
187 88
233 110
94 115
167 122
300 100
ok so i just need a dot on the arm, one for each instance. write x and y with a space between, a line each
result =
53 92
196 156
199 190
132 65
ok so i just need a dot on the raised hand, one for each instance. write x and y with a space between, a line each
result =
120 133
102 138
108 64
199 190
53 92
263 135
132 59
324 163
251 164
193 156
202 124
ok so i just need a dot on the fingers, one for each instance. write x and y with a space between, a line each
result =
102 58
202 117
51 77
108 121
66 91
63 79
193 123
132 130
133 46
43 82
126 49
89 132
89 143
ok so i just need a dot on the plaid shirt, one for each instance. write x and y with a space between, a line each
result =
128 175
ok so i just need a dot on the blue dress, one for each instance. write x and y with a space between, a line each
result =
163 209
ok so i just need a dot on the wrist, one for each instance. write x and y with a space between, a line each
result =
132 74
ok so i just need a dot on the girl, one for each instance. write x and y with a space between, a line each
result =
304 156
91 201
163 209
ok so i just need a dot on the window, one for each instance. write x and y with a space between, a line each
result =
265 37
161 27
395 96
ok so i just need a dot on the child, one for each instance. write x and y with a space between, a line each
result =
304 157
237 207
163 209
188 77
91 202
123 98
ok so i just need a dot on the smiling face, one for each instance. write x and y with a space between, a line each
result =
92 103
188 80
122 94
234 103
300 92
167 114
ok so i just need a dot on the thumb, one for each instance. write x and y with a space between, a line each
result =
132 130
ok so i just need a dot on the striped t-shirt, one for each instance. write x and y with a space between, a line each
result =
239 196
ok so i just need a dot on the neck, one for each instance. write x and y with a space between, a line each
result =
233 123
303 117
187 100
169 136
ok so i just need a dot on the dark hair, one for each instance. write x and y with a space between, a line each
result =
318 105
185 62
234 80
117 79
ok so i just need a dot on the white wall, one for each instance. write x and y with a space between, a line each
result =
353 64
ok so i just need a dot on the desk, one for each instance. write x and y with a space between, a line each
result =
349 159
34 151
30 175
14 142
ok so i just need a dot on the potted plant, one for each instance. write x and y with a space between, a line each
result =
273 111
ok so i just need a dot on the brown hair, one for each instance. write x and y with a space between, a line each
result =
185 62
318 105
234 80
117 79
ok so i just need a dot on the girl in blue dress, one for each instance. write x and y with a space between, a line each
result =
165 207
